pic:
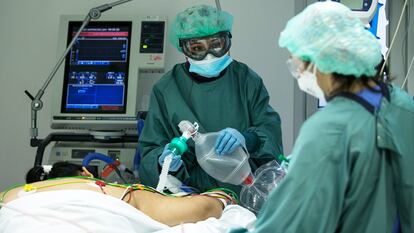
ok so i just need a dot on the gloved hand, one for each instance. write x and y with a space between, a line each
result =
176 160
228 141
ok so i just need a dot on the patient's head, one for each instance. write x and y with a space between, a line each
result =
59 169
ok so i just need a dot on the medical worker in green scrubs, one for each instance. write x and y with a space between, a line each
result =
211 88
352 166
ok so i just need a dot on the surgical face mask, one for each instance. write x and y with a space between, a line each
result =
307 82
211 66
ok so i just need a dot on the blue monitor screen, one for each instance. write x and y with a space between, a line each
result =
96 68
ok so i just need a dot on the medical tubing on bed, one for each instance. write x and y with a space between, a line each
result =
164 172
225 198
91 156
177 147
285 162
7 191
117 171
85 179
229 192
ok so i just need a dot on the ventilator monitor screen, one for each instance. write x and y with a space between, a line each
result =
352 4
358 5
96 69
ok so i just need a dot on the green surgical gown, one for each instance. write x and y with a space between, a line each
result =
238 100
352 170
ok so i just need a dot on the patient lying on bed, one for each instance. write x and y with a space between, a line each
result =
85 191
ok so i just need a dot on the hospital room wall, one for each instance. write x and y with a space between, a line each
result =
28 45
410 44
403 48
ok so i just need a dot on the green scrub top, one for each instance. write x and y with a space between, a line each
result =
352 170
238 99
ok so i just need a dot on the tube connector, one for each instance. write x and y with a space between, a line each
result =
178 145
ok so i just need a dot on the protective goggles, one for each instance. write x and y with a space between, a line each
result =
198 48
295 66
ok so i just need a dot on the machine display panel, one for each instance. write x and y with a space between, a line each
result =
96 68
354 5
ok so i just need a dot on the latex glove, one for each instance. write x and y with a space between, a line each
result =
228 141
176 160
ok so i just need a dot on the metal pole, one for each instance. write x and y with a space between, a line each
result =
218 5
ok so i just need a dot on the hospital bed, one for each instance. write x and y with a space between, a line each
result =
87 211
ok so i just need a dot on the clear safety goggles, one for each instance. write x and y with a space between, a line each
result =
198 48
295 66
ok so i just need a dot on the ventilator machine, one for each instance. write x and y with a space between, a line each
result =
104 85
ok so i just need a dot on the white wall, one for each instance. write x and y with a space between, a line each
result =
403 49
410 45
28 45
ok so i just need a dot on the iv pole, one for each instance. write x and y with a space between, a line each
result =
37 104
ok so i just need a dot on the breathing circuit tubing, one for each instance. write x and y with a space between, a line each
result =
92 156
178 146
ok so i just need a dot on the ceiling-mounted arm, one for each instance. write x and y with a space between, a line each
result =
95 13
218 5
37 103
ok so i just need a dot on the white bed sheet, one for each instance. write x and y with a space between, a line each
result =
234 216
87 211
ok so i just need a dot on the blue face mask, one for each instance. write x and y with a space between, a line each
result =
211 66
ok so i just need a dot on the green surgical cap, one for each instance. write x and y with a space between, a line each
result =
334 39
199 21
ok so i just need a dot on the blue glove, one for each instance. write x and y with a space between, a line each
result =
228 141
176 160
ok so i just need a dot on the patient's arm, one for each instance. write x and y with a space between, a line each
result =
175 210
